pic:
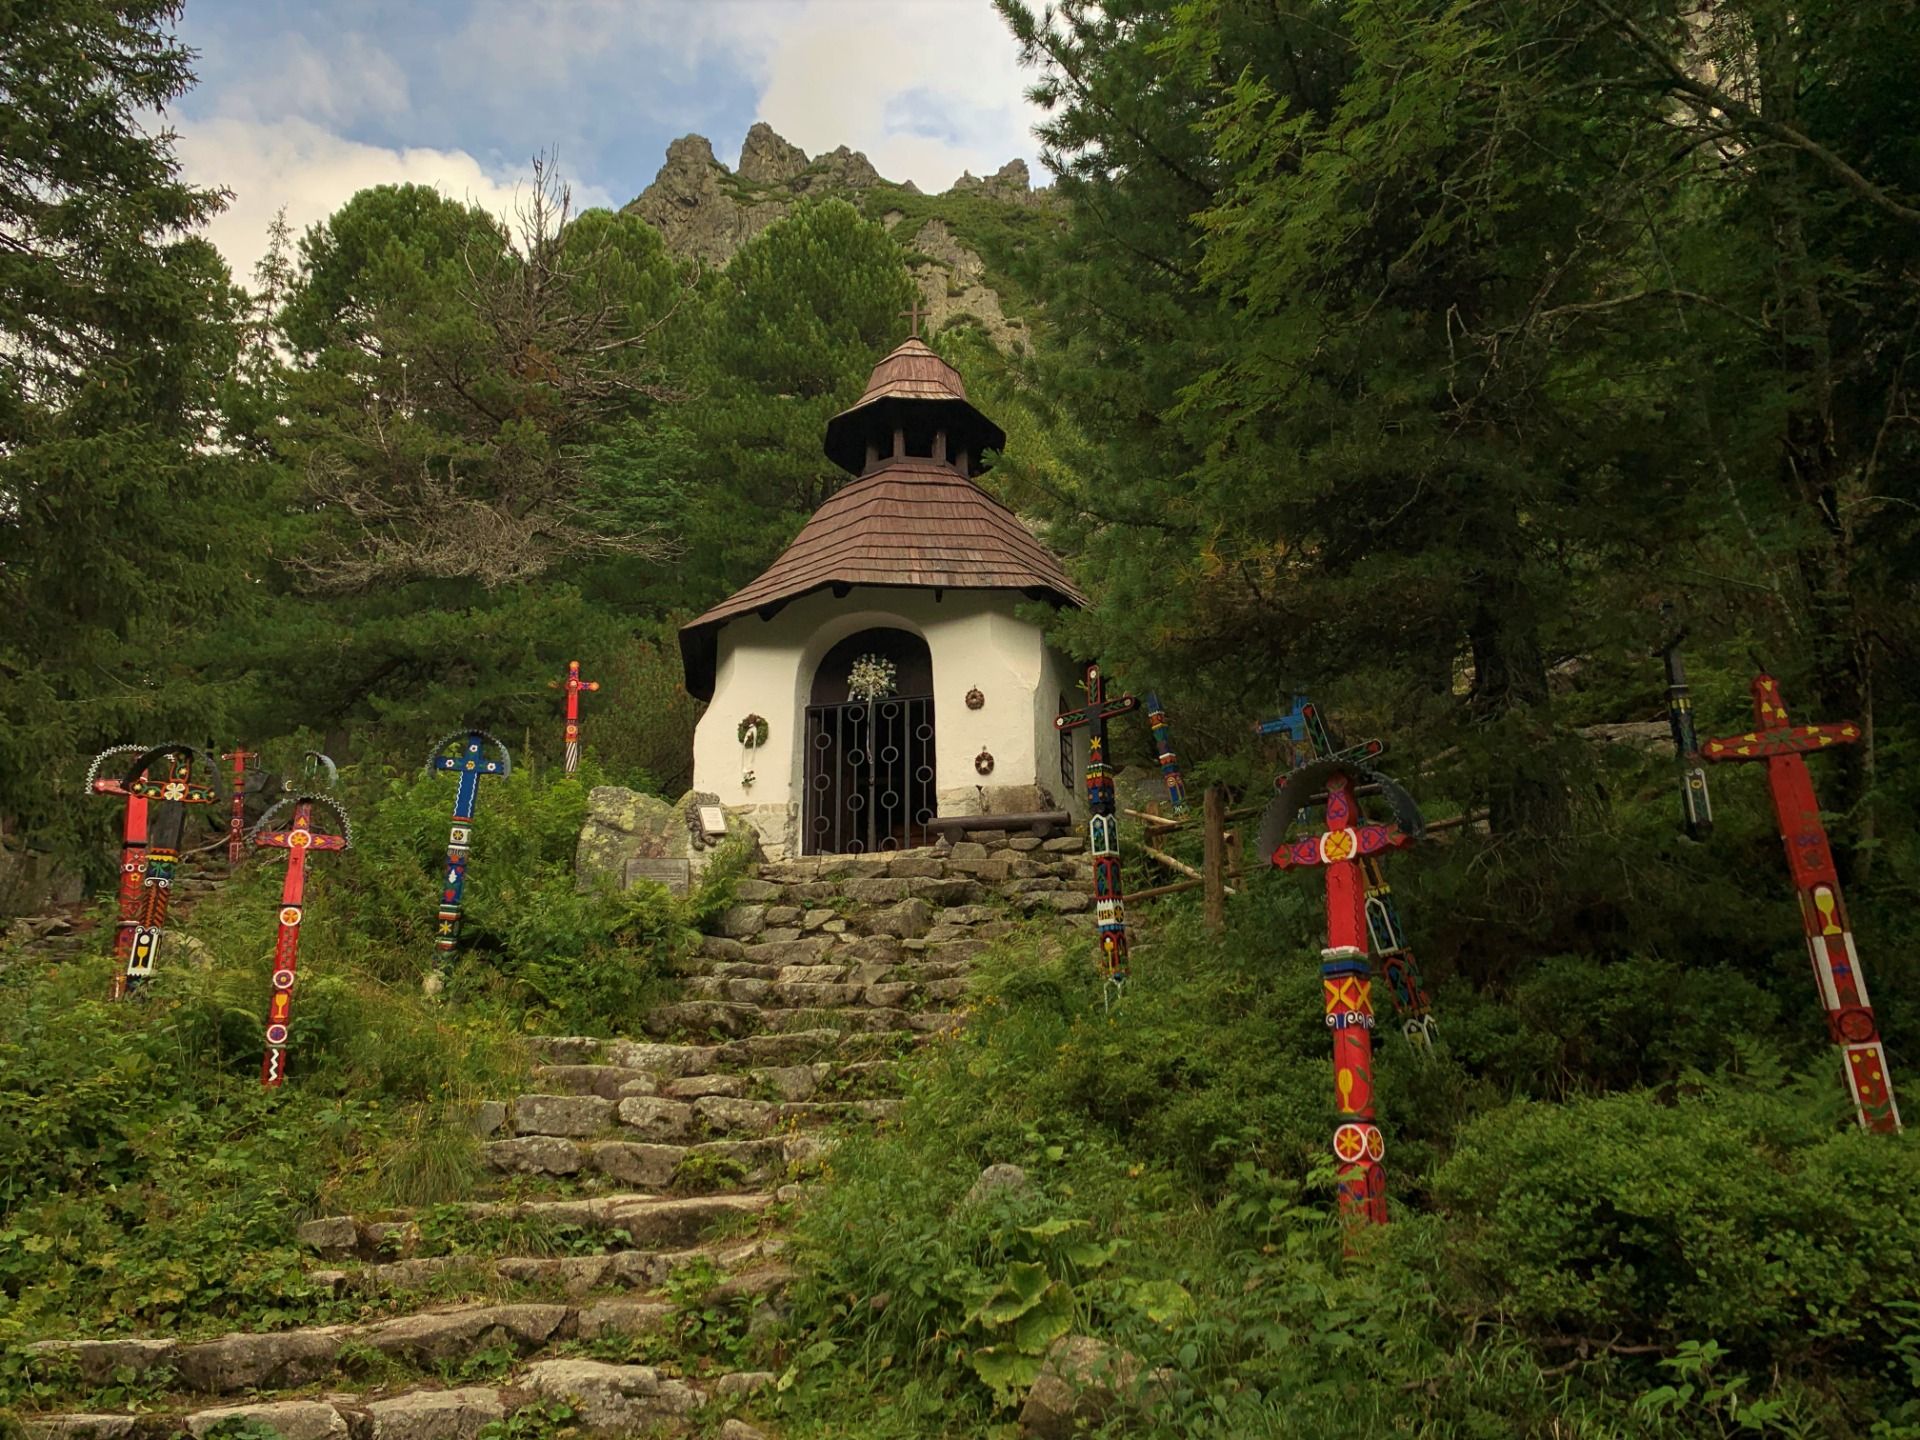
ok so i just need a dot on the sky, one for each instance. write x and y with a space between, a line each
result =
303 102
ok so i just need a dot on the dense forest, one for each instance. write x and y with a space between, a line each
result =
1449 362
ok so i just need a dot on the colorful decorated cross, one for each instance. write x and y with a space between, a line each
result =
1311 739
1696 806
469 764
573 685
1823 916
237 816
133 853
1163 747
174 791
1103 826
298 839
1345 978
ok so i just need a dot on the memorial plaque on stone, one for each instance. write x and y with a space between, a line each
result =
674 874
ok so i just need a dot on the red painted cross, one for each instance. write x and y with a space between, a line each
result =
299 840
573 685
237 817
1348 986
1823 916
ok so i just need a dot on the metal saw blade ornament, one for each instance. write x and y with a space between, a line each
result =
191 777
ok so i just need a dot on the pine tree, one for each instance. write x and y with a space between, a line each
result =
124 523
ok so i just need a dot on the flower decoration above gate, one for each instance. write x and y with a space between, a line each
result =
752 731
872 678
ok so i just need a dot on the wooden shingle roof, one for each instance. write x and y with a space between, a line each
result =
911 385
912 522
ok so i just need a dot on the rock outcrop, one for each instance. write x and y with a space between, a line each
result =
706 212
768 159
630 837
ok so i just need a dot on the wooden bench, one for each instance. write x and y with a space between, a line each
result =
1041 823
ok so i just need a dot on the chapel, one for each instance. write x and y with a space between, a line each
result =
878 675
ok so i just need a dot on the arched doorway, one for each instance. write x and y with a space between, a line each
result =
870 763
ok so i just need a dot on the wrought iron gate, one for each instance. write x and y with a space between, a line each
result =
869 776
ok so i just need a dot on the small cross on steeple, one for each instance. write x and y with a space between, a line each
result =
913 313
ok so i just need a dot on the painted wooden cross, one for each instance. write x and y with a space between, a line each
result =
1696 805
1345 978
237 817
1103 826
133 852
573 685
1311 740
299 839
1163 748
1823 915
469 765
178 789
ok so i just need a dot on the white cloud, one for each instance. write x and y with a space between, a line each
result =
926 88
310 171
352 79
888 79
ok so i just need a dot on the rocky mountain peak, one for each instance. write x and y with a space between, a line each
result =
769 159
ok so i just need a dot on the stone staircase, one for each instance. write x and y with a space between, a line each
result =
624 1237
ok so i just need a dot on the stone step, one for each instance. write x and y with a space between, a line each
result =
648 1221
709 1168
729 1018
820 994
607 1399
856 1079
671 1118
671 1061
576 1276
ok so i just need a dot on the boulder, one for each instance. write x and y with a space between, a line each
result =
334 1238
655 1118
616 1399
453 1335
741 922
435 1414
533 1155
625 825
1082 1382
81 1427
289 1419
272 1361
561 1114
996 1179
907 919
648 1166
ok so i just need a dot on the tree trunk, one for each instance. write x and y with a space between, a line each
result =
1526 798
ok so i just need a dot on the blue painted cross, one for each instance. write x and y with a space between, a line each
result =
469 764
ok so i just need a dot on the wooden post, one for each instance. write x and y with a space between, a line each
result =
1214 853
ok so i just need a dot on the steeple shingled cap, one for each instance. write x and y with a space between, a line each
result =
915 389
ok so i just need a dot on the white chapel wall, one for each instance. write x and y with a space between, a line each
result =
766 668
